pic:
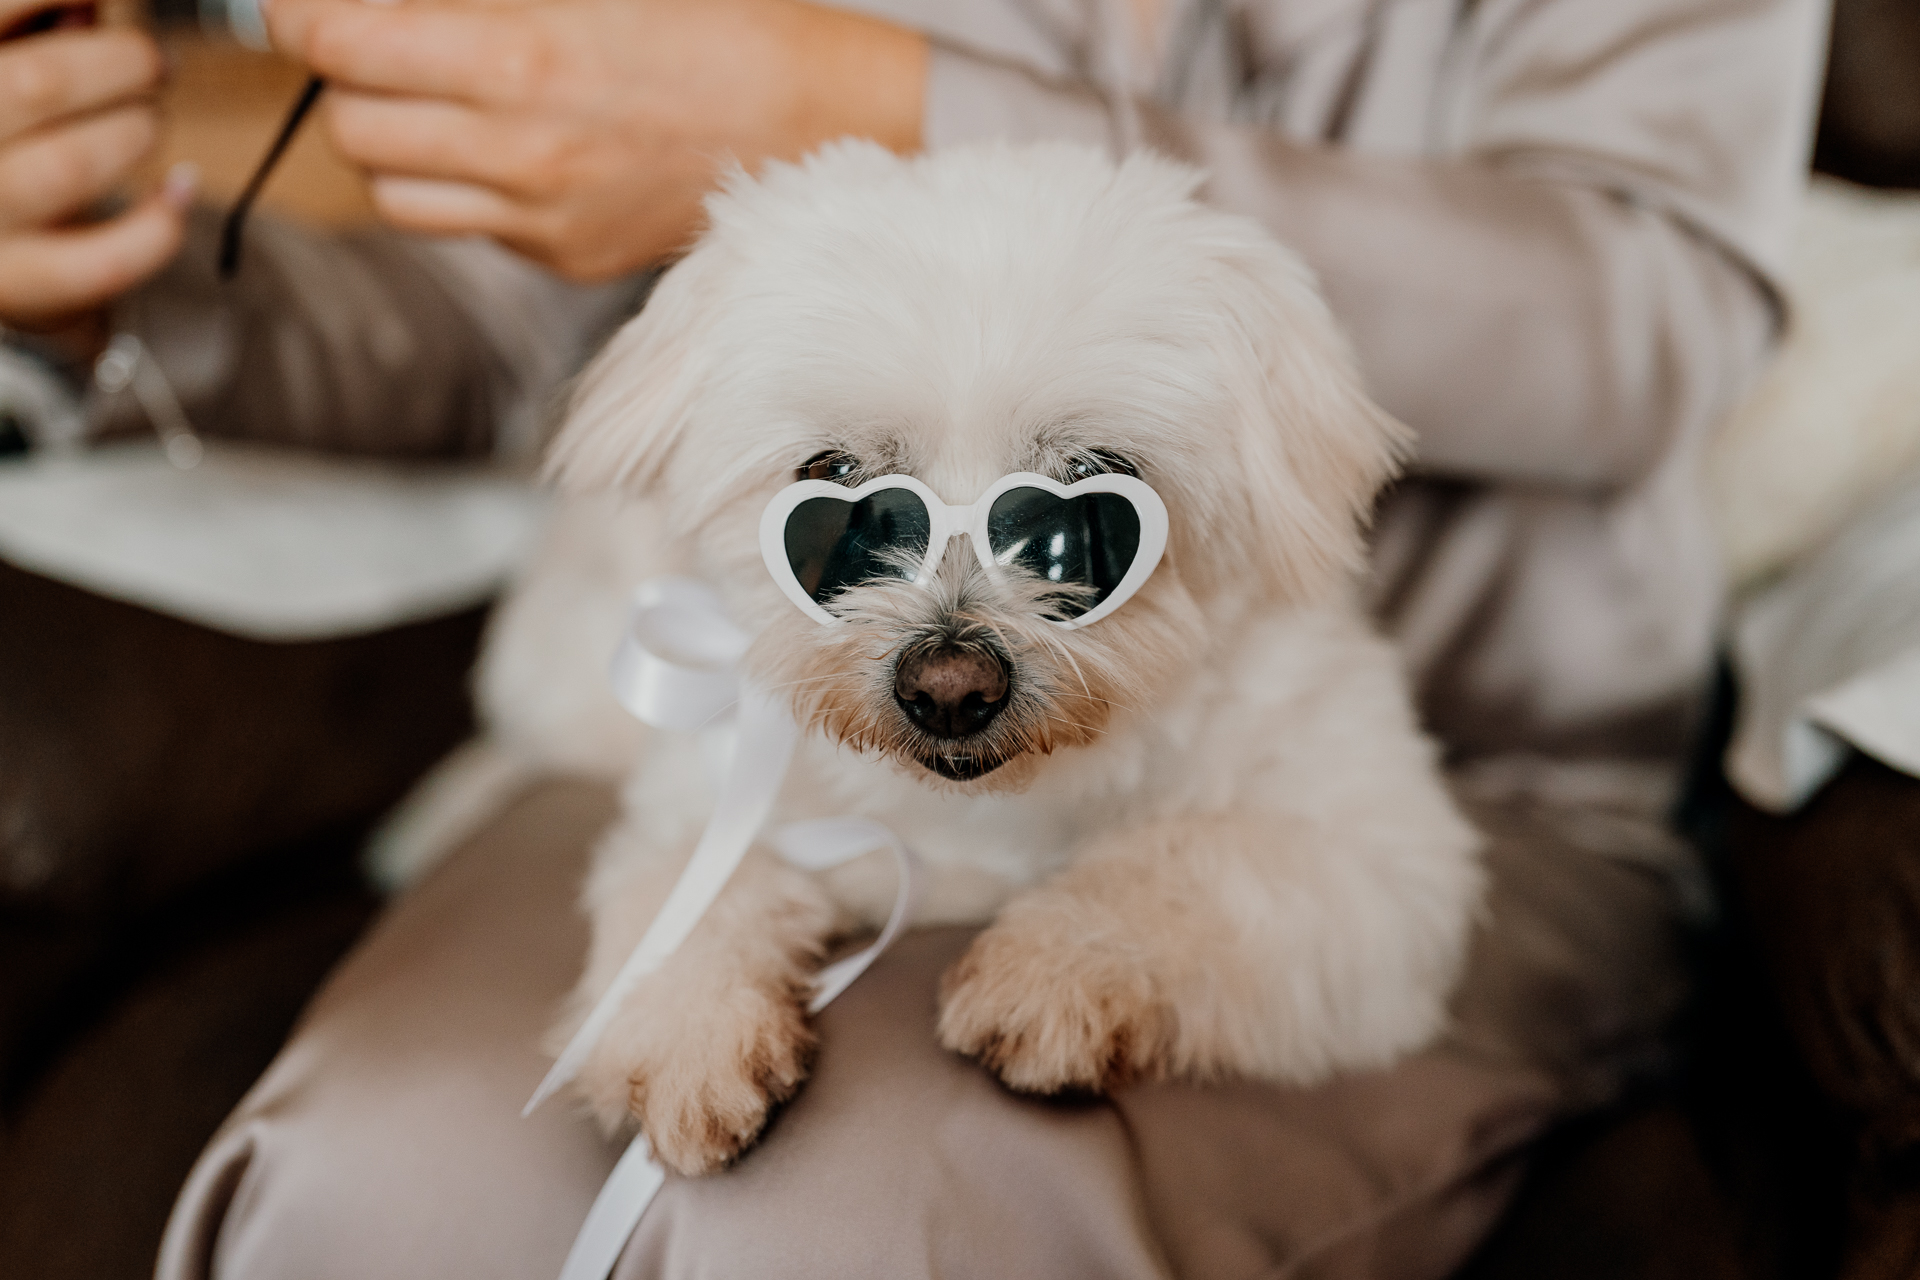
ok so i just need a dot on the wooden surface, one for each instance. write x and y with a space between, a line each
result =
225 104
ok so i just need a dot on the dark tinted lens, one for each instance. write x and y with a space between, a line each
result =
834 544
1089 540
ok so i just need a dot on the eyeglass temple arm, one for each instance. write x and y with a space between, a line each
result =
236 223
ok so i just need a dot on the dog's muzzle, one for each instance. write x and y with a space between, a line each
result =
952 693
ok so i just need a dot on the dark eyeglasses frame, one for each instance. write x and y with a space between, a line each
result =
235 227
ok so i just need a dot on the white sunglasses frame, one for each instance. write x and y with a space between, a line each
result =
971 519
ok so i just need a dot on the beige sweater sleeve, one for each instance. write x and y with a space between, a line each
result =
1565 273
369 342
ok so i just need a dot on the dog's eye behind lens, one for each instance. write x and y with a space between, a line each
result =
1098 462
833 544
831 465
1087 541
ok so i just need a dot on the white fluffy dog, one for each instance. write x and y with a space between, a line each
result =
1207 833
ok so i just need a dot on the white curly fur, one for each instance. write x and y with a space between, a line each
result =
1219 844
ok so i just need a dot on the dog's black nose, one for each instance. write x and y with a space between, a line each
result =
950 692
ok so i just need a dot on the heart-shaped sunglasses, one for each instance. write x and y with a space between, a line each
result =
1100 538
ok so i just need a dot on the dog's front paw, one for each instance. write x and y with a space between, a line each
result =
701 1081
1047 1015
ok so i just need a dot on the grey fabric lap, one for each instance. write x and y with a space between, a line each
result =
386 1138
386 1141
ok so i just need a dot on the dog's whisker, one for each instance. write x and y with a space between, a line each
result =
1114 703
1078 672
793 684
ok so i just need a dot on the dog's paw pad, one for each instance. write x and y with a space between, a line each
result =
1046 1017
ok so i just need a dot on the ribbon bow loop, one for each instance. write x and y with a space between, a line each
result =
676 665
677 668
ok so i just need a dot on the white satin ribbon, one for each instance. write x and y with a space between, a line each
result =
676 668
824 843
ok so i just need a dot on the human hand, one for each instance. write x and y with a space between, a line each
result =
584 133
77 114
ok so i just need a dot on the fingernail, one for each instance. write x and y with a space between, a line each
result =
247 22
183 181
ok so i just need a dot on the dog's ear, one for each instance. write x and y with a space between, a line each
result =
1312 447
631 406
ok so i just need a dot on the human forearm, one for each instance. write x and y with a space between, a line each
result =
853 77
1528 330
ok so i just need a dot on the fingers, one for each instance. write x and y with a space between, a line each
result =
441 207
536 232
53 175
470 55
541 232
13 11
45 276
71 126
50 77
428 138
